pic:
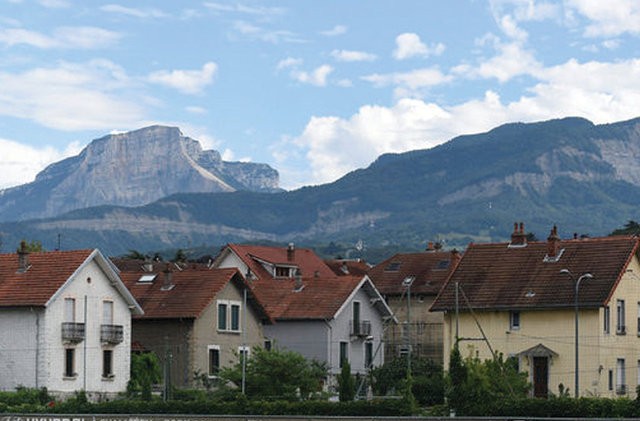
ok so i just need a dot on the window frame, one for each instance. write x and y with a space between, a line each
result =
620 317
70 363
213 369
368 354
344 352
70 313
107 364
515 320
607 320
226 320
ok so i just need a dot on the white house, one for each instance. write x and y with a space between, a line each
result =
65 323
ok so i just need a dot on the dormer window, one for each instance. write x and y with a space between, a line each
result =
283 272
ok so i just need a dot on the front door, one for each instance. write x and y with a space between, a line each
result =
540 377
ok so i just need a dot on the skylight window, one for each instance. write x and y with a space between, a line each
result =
442 264
145 279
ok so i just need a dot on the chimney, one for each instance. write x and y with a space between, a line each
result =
518 237
23 257
430 246
455 258
298 280
147 266
167 284
291 252
553 243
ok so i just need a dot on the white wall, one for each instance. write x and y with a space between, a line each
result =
18 348
92 285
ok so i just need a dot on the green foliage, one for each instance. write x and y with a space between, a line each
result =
475 386
630 228
145 372
277 374
427 379
346 383
24 395
33 246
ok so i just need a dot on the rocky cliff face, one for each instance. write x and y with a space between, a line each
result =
132 169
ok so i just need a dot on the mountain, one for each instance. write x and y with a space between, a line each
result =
583 177
132 169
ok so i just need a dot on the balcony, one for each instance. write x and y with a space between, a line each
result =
621 330
621 389
111 334
360 328
72 332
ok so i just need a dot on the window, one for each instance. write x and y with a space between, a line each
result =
607 320
610 379
214 360
344 353
229 316
620 325
621 383
639 318
282 272
70 310
69 362
368 354
514 320
235 317
267 344
107 363
222 316
107 312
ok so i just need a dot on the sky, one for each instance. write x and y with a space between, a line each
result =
315 89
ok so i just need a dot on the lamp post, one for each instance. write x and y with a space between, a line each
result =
407 282
577 289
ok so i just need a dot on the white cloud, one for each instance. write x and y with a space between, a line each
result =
289 62
601 92
186 81
409 84
71 96
54 4
335 31
350 55
255 32
196 110
69 37
409 45
134 12
608 18
244 9
20 163
317 77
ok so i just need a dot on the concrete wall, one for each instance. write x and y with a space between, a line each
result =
19 347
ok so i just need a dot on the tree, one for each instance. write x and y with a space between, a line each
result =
277 374
145 372
427 379
33 246
630 228
474 386
346 383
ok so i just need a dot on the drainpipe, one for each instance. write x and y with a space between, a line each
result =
84 363
330 359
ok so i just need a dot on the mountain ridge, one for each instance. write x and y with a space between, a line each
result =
131 169
568 172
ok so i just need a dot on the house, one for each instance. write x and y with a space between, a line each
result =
65 323
410 283
322 316
196 318
566 310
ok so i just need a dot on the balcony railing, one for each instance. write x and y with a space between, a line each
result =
360 328
72 332
621 330
621 389
111 334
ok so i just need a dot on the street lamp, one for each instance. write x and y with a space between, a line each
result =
407 282
577 285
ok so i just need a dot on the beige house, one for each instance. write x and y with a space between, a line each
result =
197 318
519 299
410 283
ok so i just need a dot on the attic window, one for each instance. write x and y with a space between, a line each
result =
146 279
442 264
392 267
283 272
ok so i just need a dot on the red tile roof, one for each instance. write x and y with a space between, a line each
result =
496 276
47 272
304 259
430 270
319 299
194 288
343 267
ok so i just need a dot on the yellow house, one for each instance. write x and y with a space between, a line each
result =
519 299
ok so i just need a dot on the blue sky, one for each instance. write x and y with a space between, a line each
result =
314 88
